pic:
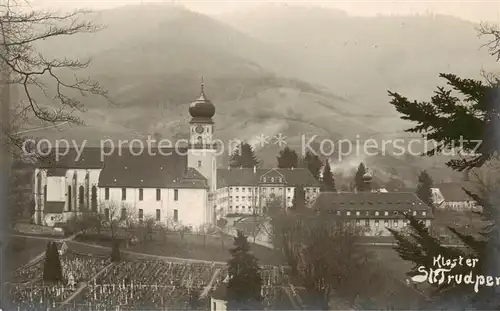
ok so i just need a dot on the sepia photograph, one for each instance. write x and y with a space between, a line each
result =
249 155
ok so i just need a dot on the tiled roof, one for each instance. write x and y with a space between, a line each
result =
53 207
247 177
453 192
59 172
370 202
88 158
150 171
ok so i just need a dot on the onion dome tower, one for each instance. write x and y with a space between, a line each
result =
202 110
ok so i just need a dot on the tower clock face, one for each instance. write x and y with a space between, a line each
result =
199 129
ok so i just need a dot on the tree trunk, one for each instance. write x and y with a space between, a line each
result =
5 163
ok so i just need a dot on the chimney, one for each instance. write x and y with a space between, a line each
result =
254 169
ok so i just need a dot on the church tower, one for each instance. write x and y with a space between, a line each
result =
202 151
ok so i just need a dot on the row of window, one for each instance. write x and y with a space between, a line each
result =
141 194
123 214
250 198
377 213
237 189
243 207
387 223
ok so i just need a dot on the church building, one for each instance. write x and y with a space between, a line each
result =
172 187
180 187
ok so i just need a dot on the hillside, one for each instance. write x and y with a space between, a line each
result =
362 57
151 58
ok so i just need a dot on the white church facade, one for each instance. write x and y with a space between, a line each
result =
172 187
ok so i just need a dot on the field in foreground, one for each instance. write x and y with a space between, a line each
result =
192 246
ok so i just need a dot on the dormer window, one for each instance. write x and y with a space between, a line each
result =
376 213
423 213
272 179
348 213
264 179
357 213
386 213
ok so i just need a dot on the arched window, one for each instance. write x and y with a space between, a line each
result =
70 198
81 195
94 199
39 189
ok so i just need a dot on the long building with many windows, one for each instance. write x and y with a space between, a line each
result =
243 191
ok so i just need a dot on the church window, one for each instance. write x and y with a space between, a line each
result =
124 194
176 194
69 199
106 193
176 215
158 215
81 195
141 194
141 214
158 194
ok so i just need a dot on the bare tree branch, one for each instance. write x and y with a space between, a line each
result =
38 76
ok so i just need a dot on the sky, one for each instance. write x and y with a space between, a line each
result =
470 10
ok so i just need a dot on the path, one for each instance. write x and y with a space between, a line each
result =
207 288
84 285
41 255
393 244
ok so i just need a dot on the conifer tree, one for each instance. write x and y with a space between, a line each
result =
52 269
313 164
424 189
288 158
58 277
358 178
244 156
467 117
328 182
48 264
245 283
